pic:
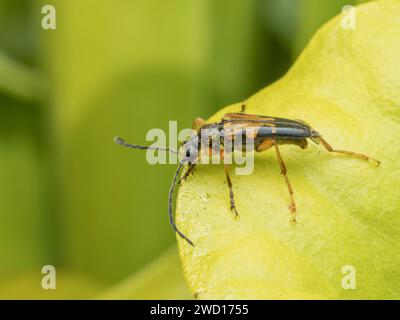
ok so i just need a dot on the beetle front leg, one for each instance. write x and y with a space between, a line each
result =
328 147
289 186
188 172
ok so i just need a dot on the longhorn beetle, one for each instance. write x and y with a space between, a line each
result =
267 132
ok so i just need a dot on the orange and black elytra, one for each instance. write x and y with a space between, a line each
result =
268 132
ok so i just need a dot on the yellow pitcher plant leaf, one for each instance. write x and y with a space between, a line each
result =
345 245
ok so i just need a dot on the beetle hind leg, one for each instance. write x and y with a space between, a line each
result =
328 147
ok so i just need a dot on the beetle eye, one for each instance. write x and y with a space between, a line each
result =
191 154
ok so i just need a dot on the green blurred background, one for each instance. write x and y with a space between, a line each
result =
69 196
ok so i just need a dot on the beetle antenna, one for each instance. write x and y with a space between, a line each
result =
170 212
123 143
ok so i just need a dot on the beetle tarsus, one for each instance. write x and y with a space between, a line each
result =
233 208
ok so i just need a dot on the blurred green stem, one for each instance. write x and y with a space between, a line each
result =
17 79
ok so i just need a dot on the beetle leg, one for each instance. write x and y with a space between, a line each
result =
290 189
228 180
265 145
188 172
243 106
349 153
